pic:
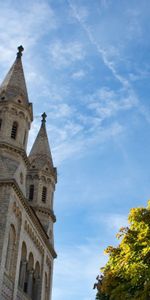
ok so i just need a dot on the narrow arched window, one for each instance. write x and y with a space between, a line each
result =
0 124
14 130
44 194
31 192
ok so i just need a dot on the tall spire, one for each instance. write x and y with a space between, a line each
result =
14 84
40 150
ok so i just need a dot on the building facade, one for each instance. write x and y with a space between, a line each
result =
27 185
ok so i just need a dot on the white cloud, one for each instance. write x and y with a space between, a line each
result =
106 103
73 132
84 12
112 59
134 23
78 74
65 133
24 25
67 150
77 267
108 54
104 3
111 222
71 140
64 53
114 221
51 91
60 110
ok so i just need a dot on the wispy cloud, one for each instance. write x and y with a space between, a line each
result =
78 74
77 267
104 53
24 26
134 23
106 102
79 144
109 54
116 221
60 110
64 54
111 222
105 3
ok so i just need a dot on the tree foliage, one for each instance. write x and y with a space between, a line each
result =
126 275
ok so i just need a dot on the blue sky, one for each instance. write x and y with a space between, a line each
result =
87 65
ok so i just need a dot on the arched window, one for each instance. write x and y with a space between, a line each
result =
10 250
14 130
44 194
31 192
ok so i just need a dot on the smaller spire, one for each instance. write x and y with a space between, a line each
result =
41 150
20 50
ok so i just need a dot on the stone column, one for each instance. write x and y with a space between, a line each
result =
37 288
22 277
30 284
46 293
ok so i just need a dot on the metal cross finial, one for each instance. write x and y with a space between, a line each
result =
20 50
44 115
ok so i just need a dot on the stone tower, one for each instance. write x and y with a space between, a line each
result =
27 185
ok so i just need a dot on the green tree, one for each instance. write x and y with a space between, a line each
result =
126 275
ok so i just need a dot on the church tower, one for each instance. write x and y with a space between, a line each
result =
27 185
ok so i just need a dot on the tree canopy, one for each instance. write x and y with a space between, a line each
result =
126 275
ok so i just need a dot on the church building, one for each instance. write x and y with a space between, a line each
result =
27 185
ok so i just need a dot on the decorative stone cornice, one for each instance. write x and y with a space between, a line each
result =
37 174
46 211
30 211
33 236
17 150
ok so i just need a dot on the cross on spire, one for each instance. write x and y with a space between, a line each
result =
44 115
20 50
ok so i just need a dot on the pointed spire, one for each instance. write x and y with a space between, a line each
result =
40 150
14 84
